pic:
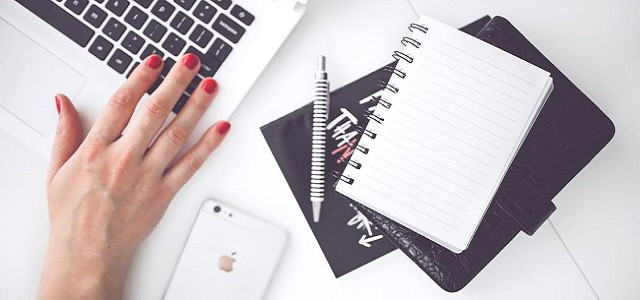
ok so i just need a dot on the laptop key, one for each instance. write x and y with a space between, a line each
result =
181 102
168 64
204 11
156 84
119 61
144 3
101 47
136 17
61 20
208 65
220 50
242 14
223 3
163 10
132 69
228 28
194 84
76 6
150 49
114 29
201 36
132 42
117 6
182 23
95 16
155 31
186 4
174 44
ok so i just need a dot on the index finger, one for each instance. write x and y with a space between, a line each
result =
118 111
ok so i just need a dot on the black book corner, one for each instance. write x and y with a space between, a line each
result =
347 238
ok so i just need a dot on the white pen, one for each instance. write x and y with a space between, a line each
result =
318 142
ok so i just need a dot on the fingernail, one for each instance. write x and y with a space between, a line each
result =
58 104
154 62
210 85
190 61
224 127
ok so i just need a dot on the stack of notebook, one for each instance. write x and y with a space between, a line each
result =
463 148
444 132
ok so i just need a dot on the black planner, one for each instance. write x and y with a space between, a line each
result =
568 133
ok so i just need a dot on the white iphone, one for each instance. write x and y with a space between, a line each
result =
229 254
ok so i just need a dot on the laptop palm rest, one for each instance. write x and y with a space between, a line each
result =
30 76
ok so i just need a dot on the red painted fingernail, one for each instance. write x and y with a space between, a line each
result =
190 61
210 85
58 104
154 62
224 127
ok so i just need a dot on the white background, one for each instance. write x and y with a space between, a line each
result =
586 251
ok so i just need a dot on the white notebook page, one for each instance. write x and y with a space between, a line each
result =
454 126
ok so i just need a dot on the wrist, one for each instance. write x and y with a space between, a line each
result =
78 274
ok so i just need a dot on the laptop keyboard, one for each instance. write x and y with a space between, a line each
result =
124 32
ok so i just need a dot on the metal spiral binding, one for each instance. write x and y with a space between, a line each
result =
410 41
355 164
374 117
345 178
384 103
362 149
417 26
395 71
397 55
387 86
372 135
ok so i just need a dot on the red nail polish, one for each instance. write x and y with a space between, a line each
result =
210 85
58 104
191 61
224 127
154 62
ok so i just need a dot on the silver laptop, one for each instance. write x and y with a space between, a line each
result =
86 48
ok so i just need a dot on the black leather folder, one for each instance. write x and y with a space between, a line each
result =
565 137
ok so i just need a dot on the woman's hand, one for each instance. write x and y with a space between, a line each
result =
107 192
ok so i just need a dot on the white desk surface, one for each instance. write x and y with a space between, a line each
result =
585 252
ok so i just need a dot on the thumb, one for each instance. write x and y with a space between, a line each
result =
68 134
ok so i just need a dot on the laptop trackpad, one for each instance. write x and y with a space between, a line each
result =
30 76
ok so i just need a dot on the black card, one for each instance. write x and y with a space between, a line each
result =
347 238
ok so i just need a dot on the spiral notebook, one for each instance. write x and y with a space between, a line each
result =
445 131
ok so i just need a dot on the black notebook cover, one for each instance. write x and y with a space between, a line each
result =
567 134
347 239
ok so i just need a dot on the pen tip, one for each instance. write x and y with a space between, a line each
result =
322 63
316 211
